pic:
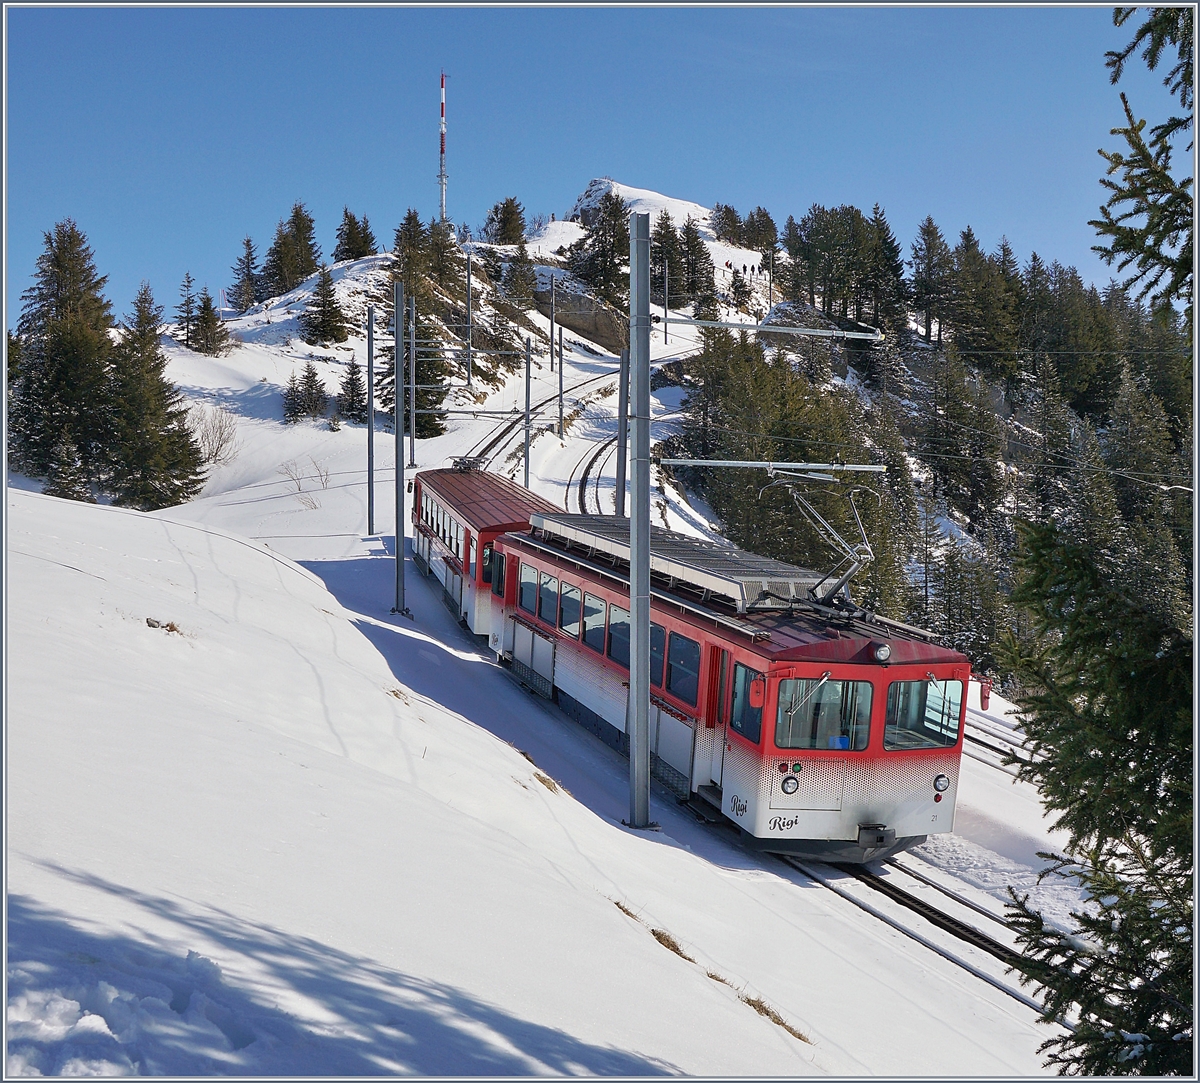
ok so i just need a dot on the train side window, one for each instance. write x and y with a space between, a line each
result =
683 667
819 713
548 599
593 622
569 611
658 652
922 714
485 564
528 588
745 719
618 635
495 568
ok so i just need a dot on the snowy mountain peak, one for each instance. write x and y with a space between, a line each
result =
640 201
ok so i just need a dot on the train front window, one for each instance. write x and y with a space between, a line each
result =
593 622
683 668
745 719
618 635
548 599
568 611
485 564
822 713
528 588
922 714
495 568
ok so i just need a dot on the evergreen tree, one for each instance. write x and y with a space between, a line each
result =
156 459
725 223
666 256
698 277
313 399
66 477
354 238
64 383
1108 711
760 232
799 283
520 280
293 405
186 309
1108 718
505 223
1154 220
352 396
14 361
601 257
411 248
932 267
739 290
244 293
303 229
210 335
294 253
323 320
884 279
446 262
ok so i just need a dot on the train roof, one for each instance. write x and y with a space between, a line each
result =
484 501
709 580
724 570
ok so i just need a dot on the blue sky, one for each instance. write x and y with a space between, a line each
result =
169 134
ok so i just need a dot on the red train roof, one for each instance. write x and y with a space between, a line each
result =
484 501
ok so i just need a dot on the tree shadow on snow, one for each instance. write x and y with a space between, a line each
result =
167 1010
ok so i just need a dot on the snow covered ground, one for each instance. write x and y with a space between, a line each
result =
258 824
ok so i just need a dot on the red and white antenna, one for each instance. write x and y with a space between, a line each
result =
442 170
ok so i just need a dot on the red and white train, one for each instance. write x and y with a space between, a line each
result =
820 731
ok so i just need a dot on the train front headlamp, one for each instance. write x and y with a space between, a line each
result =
790 784
882 652
941 783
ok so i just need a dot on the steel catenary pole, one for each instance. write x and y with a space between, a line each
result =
370 420
412 380
622 431
470 326
528 362
639 522
398 381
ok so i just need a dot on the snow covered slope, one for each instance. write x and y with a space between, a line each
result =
644 201
237 844
284 831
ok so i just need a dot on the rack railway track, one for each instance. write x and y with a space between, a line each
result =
966 933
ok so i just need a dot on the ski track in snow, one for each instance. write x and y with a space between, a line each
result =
292 837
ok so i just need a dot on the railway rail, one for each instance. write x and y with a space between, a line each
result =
968 934
488 445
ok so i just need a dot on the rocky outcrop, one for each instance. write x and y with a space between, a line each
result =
587 316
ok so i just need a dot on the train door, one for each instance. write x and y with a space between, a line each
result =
716 708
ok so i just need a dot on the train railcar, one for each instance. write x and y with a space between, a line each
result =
457 515
819 730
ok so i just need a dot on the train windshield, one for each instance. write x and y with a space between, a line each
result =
823 713
922 714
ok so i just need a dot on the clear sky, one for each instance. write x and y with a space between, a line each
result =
169 134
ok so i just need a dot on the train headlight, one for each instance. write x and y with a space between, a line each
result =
790 784
882 652
941 784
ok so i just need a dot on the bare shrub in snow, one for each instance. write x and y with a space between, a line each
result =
215 430
291 470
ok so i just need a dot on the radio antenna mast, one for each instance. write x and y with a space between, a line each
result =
442 170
